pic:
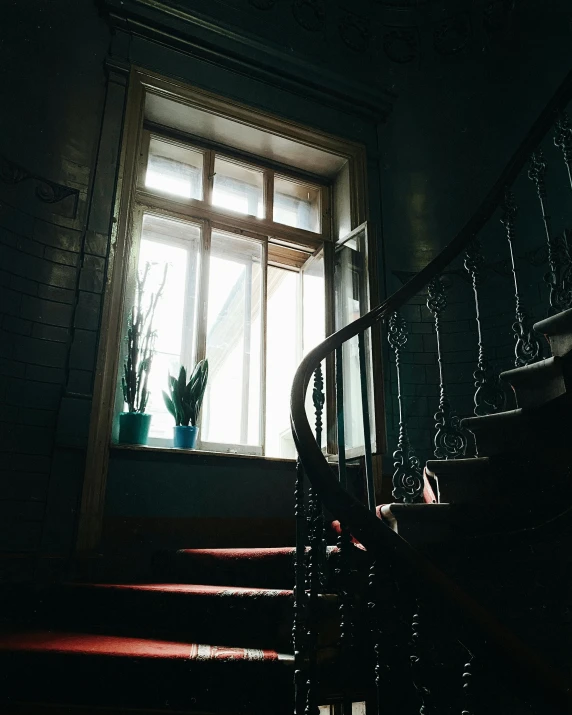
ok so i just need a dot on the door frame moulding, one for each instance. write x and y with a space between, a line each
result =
142 82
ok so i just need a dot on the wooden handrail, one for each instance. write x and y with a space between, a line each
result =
363 524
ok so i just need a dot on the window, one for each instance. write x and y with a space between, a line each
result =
246 286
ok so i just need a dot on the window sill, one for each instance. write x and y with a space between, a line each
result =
200 456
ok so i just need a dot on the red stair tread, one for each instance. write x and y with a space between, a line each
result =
120 646
251 553
189 588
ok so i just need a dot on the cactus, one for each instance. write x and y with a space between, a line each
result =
140 345
186 398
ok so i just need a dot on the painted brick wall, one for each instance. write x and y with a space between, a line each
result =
51 273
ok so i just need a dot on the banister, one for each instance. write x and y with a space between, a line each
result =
363 524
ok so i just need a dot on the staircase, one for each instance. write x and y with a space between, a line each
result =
502 477
385 616
213 634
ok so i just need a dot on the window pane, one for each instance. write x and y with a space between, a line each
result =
231 411
314 325
238 188
177 244
283 354
296 204
174 169
351 302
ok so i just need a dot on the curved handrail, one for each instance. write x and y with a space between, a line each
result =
363 523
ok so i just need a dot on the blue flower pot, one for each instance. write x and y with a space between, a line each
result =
185 436
134 427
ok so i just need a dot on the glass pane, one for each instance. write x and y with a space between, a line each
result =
351 302
314 325
174 169
164 241
283 356
296 204
231 411
238 188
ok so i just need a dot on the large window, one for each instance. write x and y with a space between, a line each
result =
244 245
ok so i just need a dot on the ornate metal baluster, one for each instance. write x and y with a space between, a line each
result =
344 543
467 689
407 477
317 526
388 637
417 663
318 398
300 601
563 140
490 396
313 578
374 607
527 347
345 589
450 439
559 276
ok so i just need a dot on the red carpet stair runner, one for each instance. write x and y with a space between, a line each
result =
177 645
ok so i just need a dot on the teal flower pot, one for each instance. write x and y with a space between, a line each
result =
134 427
185 436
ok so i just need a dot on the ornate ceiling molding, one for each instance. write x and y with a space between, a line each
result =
173 22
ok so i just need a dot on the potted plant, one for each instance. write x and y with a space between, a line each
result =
185 401
134 422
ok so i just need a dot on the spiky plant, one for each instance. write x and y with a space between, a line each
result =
140 345
186 398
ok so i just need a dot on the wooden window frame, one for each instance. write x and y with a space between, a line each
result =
121 257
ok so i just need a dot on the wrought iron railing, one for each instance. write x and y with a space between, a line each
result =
393 559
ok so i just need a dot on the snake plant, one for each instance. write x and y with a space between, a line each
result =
186 398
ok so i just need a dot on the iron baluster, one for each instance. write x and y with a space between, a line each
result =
468 708
559 276
527 347
345 587
407 477
490 396
366 426
374 605
313 582
316 518
450 439
417 664
344 539
563 140
318 398
298 628
389 638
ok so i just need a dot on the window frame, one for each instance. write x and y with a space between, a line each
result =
123 122
211 218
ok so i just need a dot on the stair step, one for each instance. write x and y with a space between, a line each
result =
544 427
230 616
540 382
114 671
419 523
462 481
262 568
558 329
